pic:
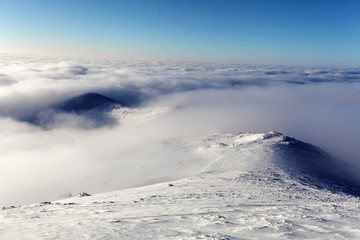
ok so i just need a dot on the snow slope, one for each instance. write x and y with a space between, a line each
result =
249 186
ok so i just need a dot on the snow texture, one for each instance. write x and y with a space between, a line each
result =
244 190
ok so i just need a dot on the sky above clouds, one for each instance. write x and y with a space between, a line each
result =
269 32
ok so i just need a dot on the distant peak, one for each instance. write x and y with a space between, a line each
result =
87 102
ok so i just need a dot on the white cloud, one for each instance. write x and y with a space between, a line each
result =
316 105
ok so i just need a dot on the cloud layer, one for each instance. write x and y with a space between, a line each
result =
182 99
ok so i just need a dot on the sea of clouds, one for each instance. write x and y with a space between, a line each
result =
39 163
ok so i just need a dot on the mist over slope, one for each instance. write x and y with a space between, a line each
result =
128 146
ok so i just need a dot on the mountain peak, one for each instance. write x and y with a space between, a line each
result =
273 151
87 102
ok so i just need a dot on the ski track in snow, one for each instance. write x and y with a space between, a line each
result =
240 193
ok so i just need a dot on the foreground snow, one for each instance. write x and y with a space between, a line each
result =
241 192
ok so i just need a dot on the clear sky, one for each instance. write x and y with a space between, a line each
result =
315 32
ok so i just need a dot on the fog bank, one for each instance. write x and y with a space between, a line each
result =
165 102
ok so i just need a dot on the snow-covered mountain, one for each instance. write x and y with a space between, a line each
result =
244 186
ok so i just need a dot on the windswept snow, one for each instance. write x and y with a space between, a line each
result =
241 192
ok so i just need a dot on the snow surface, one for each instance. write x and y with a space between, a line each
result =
242 191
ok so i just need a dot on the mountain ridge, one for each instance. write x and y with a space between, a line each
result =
242 191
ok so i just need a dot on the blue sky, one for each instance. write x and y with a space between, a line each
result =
272 32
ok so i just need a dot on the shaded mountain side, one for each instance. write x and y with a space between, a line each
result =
87 102
314 167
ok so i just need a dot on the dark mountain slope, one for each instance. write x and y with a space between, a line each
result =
87 102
